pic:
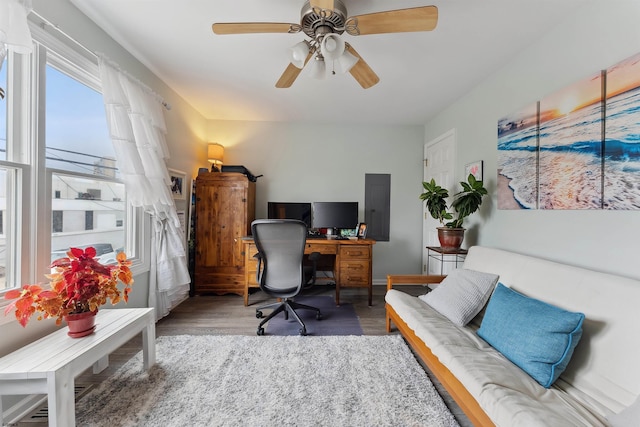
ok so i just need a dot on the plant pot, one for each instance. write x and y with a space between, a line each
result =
450 238
81 324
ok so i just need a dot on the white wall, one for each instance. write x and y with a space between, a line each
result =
601 34
325 162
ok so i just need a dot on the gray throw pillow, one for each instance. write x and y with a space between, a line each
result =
461 295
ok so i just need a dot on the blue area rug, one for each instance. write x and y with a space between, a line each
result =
336 320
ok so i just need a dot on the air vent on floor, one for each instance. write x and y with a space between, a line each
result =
41 414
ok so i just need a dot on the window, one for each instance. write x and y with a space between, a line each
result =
76 130
11 196
3 152
88 220
59 182
78 143
3 110
79 215
7 212
57 221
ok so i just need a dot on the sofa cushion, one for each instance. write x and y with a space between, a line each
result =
505 392
628 417
461 295
536 336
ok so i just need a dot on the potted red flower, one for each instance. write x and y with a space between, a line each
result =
78 287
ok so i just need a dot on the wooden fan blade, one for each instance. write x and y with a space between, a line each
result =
361 71
394 21
254 27
290 74
322 4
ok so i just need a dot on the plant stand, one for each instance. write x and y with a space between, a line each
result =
445 256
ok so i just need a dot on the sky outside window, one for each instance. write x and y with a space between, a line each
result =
77 134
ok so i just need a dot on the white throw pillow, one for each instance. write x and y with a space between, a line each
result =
461 295
628 417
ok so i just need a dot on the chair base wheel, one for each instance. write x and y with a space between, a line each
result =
260 331
303 331
259 314
318 316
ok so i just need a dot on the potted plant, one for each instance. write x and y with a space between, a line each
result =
79 285
464 203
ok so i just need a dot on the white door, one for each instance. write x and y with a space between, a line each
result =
439 155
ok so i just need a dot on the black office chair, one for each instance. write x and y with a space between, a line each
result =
281 273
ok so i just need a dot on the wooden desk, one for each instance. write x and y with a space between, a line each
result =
351 267
49 365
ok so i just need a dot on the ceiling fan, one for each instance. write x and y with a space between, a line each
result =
323 21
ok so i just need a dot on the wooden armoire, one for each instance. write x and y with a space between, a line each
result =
225 208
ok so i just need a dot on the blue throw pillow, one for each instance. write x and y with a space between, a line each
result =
536 336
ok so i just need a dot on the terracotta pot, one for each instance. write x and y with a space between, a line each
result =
450 238
81 324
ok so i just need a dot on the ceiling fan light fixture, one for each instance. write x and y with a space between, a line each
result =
319 68
299 53
346 61
332 47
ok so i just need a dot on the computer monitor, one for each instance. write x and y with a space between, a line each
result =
290 210
334 214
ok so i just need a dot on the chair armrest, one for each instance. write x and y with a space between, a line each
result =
412 279
258 256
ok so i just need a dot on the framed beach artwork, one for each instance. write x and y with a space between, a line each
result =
570 146
518 159
475 169
578 148
178 184
622 128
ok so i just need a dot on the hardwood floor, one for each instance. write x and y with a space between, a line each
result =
226 315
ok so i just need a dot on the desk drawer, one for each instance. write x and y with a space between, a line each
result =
251 266
355 273
348 252
320 248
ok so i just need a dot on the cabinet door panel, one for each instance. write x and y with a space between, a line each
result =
223 216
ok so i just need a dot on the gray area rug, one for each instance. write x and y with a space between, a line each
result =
269 381
336 320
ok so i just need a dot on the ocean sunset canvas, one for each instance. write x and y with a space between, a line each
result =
622 142
570 165
518 159
578 148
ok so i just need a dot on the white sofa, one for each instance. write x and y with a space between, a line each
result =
601 380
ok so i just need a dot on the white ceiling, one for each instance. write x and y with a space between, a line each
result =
232 77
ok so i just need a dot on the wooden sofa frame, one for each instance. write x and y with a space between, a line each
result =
463 398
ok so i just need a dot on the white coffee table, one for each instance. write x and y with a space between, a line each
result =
51 364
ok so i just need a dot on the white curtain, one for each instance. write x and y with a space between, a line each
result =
137 129
14 29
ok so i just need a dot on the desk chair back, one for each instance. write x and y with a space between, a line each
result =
280 244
